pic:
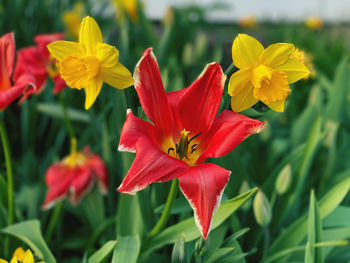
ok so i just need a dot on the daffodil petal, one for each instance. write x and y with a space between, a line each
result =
277 105
243 100
118 76
238 81
61 49
277 54
246 51
92 90
3 260
28 257
89 35
111 71
14 260
294 69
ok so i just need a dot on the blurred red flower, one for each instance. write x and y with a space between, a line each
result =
38 61
185 132
10 90
74 176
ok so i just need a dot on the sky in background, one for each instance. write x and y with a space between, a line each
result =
295 10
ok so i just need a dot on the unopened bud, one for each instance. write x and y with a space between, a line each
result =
262 209
243 189
283 180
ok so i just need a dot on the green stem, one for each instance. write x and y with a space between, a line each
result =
166 212
66 119
229 70
53 221
7 155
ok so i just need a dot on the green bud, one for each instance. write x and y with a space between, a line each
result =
262 209
243 189
284 179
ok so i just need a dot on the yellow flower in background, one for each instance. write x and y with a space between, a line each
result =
248 22
21 256
71 19
90 62
306 59
129 7
264 74
314 22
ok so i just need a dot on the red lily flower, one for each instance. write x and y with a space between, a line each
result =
37 60
74 176
185 132
8 91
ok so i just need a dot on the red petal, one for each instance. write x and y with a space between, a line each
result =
60 84
149 87
203 186
7 58
99 169
58 178
200 102
9 95
134 128
228 130
81 183
43 40
150 165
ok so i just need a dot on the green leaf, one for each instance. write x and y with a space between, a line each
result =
56 111
338 95
188 228
179 255
294 234
29 232
220 254
103 252
127 250
314 232
339 217
309 258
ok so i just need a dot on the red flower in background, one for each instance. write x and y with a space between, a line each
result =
9 90
74 176
185 132
37 60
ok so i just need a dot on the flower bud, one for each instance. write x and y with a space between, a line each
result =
243 189
262 209
283 180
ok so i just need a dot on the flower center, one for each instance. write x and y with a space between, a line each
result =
78 72
74 158
269 85
185 149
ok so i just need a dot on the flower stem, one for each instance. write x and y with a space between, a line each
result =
229 70
166 212
66 119
10 195
53 221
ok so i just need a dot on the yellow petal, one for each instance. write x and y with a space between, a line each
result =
273 90
118 76
19 253
61 49
244 99
3 260
14 260
277 105
246 51
92 90
294 69
89 35
112 72
277 54
28 257
238 81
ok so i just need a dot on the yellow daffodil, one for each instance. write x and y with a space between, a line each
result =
72 18
90 62
129 7
264 74
306 59
247 22
314 22
21 256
